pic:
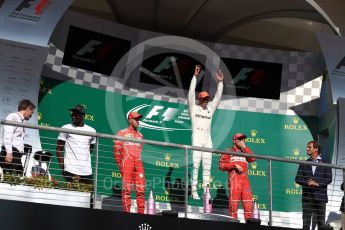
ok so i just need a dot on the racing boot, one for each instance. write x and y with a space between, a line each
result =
195 193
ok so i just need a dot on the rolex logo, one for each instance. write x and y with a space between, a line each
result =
211 179
255 197
217 184
296 125
44 89
254 165
295 151
167 156
84 106
253 132
145 227
297 185
39 116
166 192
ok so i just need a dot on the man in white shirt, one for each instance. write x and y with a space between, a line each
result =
12 147
76 161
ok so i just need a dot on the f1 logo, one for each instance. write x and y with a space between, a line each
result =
341 63
88 47
27 4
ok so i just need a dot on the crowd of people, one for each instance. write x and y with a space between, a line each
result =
74 151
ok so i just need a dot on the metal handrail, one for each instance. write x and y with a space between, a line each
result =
166 144
180 146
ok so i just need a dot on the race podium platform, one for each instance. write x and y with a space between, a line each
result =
209 216
18 215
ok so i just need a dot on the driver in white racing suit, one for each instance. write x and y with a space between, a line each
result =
201 117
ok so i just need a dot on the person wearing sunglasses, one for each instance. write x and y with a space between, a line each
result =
75 163
128 158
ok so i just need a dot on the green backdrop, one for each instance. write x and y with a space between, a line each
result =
268 134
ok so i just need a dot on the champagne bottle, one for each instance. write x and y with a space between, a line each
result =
256 213
151 209
207 200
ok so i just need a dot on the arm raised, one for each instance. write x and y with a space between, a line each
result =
219 92
191 93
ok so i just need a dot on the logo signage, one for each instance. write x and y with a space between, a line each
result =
144 226
254 171
254 78
163 118
214 184
260 206
40 119
296 126
88 117
93 51
296 190
116 174
340 68
171 68
296 155
255 140
167 163
44 89
29 10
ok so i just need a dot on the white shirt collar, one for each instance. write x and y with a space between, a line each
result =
318 158
21 116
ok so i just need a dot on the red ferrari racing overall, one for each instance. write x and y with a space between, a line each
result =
239 185
128 158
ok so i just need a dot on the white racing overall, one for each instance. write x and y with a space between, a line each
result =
201 133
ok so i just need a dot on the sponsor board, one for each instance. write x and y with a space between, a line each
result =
266 129
93 51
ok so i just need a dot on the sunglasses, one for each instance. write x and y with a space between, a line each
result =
76 114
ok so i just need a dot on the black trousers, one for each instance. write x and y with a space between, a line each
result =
311 206
15 167
69 177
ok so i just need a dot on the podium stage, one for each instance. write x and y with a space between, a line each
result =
17 215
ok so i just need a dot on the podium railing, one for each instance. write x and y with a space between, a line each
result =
106 157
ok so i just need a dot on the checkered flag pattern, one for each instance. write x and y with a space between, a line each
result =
300 83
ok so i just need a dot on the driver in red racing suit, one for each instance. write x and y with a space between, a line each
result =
128 158
239 185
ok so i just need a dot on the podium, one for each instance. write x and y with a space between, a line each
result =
209 216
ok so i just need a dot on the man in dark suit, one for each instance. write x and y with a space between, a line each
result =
314 181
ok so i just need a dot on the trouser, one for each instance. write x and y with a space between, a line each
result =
133 174
206 158
239 190
202 140
310 206
15 167
71 177
313 221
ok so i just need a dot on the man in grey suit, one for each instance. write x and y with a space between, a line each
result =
314 181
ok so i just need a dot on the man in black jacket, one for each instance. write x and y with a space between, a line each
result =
314 181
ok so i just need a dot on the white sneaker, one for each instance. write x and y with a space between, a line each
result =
195 193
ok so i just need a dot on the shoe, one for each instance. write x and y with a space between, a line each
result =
195 193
